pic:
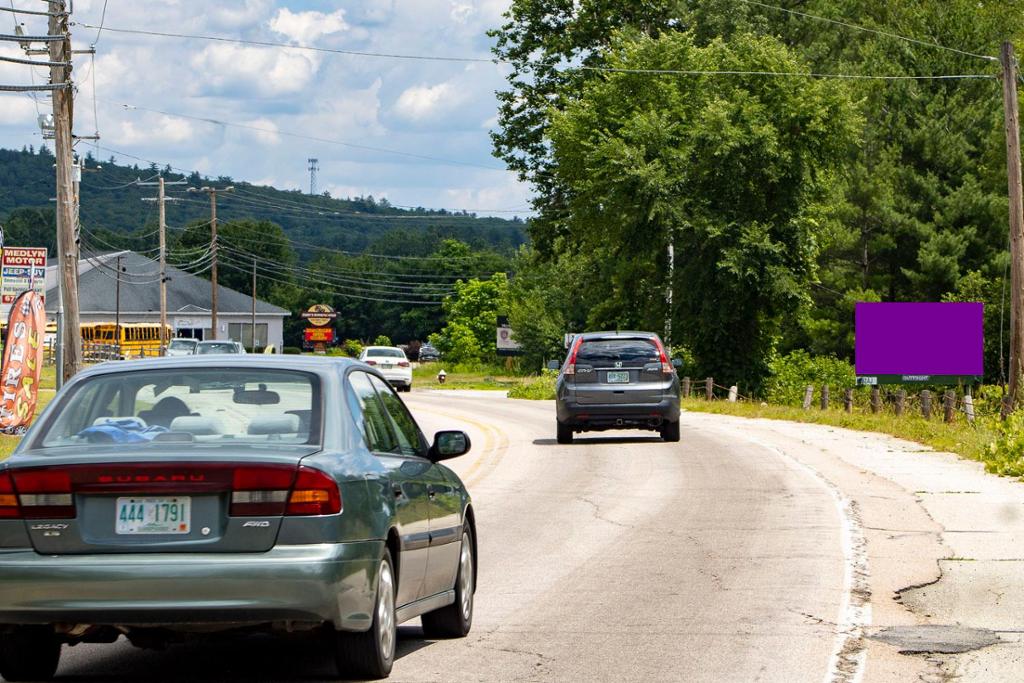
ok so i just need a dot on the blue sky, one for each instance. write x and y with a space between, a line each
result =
437 109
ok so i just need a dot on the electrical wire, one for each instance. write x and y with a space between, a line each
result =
301 136
604 69
869 30
103 19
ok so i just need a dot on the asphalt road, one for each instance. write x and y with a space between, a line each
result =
619 557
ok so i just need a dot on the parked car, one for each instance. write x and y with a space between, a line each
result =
392 363
617 380
272 493
219 346
428 353
181 346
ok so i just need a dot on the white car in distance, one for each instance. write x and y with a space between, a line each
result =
392 363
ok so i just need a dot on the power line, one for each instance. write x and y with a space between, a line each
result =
869 30
301 136
605 69
103 19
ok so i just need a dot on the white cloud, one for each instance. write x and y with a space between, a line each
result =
267 72
159 130
427 102
306 28
462 11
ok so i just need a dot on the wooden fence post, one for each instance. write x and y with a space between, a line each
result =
824 397
1006 407
969 407
709 388
733 393
686 387
848 400
876 400
948 405
808 396
901 399
926 404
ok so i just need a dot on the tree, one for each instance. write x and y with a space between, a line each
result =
31 227
472 315
730 170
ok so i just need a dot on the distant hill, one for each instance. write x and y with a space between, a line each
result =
110 201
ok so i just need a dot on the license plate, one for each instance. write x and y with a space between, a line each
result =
618 377
387 366
153 515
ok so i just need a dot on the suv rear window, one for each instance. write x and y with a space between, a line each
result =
625 350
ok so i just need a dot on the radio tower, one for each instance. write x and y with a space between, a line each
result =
314 166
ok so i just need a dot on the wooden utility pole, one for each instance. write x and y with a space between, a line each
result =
63 119
253 340
117 307
213 192
161 199
1011 115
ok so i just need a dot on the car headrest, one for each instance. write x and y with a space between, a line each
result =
277 424
128 422
197 425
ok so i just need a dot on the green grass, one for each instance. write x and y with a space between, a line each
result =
475 376
960 437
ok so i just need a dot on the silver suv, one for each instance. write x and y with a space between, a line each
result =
617 380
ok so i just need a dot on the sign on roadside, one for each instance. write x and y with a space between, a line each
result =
506 344
21 268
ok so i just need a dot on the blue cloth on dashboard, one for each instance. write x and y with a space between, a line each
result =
124 430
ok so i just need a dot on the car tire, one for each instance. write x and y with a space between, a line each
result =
564 433
670 431
29 653
455 620
371 654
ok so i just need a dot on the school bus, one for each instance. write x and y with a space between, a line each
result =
131 340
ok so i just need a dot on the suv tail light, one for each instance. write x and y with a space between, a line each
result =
666 364
315 493
570 367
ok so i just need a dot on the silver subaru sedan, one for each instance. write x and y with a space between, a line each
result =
176 496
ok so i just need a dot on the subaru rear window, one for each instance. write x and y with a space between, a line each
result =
612 350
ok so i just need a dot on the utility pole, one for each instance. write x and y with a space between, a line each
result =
213 192
1011 115
63 118
254 304
117 307
668 289
162 200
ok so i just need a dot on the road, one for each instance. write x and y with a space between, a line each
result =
730 556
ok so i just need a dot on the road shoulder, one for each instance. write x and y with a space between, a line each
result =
943 544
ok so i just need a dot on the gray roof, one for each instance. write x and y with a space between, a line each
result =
140 288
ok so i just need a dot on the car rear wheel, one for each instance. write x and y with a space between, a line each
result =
371 654
455 620
564 433
670 431
29 653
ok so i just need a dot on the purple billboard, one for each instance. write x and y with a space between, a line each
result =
919 342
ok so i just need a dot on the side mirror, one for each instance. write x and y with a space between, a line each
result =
554 365
449 444
677 363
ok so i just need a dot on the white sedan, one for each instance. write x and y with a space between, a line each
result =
392 363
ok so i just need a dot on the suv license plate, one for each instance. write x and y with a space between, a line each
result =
153 515
618 377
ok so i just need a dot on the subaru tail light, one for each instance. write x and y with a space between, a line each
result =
315 493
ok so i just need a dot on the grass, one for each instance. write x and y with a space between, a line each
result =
46 391
476 376
969 441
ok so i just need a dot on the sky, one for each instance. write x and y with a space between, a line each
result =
428 108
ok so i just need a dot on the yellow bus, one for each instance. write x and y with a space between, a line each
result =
131 340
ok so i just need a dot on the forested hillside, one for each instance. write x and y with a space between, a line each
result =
111 203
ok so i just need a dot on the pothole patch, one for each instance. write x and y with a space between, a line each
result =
936 638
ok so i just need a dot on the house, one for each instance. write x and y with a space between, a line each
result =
136 299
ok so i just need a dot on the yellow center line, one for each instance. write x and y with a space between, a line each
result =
495 441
